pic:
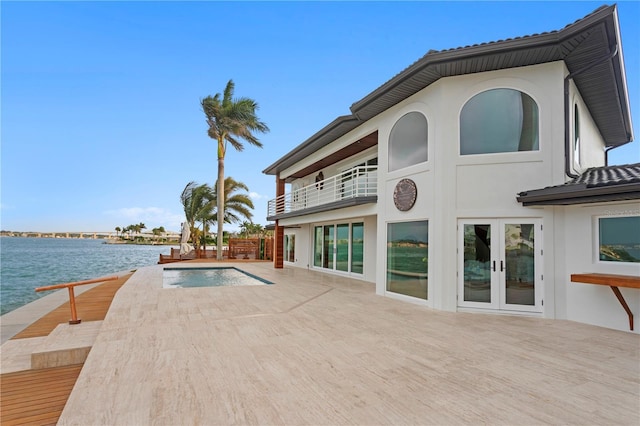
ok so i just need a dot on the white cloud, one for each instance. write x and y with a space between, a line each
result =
256 196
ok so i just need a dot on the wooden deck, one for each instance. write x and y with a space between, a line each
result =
37 397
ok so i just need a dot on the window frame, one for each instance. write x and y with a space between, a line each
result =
527 155
289 247
428 300
334 269
597 242
390 144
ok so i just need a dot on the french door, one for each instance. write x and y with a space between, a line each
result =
500 264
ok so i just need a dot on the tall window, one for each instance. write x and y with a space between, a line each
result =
576 137
408 258
317 246
408 141
619 239
357 247
290 247
499 120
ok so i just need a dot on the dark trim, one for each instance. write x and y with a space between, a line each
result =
579 194
562 45
321 138
341 204
567 108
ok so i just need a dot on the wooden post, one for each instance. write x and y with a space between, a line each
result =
72 302
278 241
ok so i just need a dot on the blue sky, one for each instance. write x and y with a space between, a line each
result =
101 119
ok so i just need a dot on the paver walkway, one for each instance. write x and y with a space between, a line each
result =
322 349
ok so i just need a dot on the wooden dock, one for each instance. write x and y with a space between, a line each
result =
37 397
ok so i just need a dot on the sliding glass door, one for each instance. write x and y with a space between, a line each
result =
339 247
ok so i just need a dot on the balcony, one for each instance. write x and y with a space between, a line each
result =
351 187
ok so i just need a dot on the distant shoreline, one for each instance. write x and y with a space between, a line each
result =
146 240
140 243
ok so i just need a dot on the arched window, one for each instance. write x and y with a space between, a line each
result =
499 120
408 141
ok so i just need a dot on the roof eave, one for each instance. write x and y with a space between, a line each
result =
310 145
579 194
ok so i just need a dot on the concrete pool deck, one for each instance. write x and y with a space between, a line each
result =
321 349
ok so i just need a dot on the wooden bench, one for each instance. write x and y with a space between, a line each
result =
613 281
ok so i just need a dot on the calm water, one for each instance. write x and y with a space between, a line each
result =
27 263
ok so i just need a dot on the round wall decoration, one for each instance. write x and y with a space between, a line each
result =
404 196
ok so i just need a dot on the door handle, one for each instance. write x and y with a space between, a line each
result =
501 266
494 266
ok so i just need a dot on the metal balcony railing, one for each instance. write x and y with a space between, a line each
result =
360 181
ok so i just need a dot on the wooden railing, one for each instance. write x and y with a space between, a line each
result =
72 298
243 248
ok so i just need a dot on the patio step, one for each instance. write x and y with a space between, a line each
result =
66 345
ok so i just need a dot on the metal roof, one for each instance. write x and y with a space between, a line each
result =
603 87
597 184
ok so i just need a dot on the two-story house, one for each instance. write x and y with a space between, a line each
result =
473 180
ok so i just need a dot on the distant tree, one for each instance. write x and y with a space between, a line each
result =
230 120
244 228
118 229
251 230
258 230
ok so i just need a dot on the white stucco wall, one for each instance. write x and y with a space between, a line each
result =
592 147
589 303
453 187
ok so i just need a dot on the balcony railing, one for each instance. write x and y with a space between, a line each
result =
360 181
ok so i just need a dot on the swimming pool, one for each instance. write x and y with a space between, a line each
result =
209 277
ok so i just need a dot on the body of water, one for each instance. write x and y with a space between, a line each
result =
27 263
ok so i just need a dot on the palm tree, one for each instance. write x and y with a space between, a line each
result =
236 205
244 228
198 203
230 120
249 229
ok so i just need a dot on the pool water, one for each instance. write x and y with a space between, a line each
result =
209 277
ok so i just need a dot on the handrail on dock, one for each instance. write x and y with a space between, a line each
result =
72 299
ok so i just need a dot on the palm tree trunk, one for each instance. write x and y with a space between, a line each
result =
220 205
204 237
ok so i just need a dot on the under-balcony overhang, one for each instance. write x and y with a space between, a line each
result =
348 151
341 204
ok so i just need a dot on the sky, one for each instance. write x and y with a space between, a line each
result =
101 123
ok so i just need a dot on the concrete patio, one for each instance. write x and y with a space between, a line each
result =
320 349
